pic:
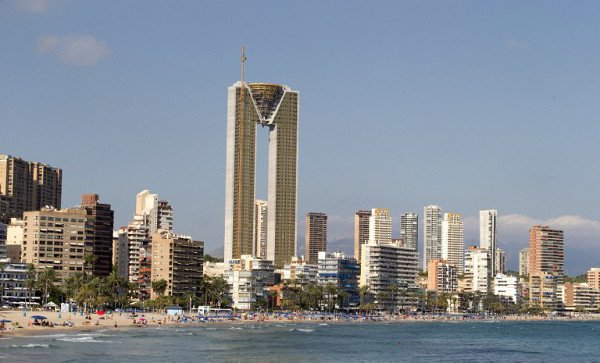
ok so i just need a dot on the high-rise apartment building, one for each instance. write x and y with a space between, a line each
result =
316 235
432 234
546 251
524 262
177 259
500 262
275 107
120 257
546 265
261 213
151 215
387 264
452 240
361 231
58 239
476 269
102 217
28 186
488 237
380 226
593 278
409 230
70 240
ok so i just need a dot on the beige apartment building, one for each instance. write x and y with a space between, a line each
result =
361 231
546 265
28 186
593 278
442 276
59 239
177 259
316 236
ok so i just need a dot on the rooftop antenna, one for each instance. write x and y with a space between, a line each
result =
243 64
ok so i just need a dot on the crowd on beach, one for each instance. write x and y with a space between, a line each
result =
17 322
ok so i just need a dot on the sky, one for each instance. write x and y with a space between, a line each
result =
465 104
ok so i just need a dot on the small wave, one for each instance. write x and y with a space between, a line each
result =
303 330
323 324
31 345
83 339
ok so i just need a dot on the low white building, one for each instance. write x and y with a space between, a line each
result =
248 278
213 269
299 271
507 286
13 279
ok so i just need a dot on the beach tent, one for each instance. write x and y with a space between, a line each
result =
51 305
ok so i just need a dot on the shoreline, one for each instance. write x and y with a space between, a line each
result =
82 325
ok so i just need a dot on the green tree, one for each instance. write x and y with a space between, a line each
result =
45 279
31 281
118 286
2 268
159 286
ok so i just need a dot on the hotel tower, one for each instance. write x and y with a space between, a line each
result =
275 107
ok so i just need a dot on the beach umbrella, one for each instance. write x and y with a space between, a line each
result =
39 317
4 321
100 312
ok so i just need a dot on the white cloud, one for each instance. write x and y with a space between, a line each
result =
33 6
80 50
516 44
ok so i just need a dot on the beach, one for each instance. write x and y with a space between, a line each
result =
24 325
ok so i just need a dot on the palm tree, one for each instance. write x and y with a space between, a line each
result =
117 284
393 290
31 280
2 268
46 278
363 292
159 286
331 291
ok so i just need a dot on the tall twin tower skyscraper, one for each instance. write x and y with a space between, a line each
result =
275 107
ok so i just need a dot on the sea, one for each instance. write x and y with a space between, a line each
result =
477 341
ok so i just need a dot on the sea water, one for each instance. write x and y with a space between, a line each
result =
540 341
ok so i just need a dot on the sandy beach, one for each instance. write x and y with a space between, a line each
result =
24 325
21 325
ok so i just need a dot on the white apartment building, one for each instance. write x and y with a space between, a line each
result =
409 230
432 234
300 272
452 240
385 265
488 236
248 278
380 226
476 269
507 286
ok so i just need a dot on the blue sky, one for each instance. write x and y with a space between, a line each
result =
466 104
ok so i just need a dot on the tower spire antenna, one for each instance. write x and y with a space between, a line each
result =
243 64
